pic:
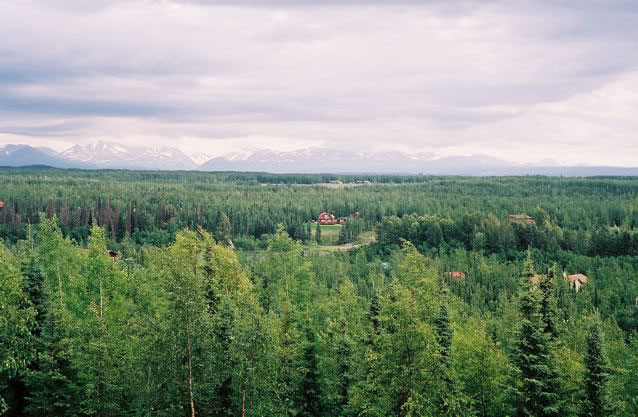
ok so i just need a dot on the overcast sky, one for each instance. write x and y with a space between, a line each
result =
520 80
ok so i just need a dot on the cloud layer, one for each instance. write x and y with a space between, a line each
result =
519 80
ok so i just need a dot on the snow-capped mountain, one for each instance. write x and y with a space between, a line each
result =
312 160
241 155
200 157
309 160
114 155
323 160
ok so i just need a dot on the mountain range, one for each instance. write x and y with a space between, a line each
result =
310 160
114 155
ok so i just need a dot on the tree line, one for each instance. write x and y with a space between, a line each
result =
188 329
150 207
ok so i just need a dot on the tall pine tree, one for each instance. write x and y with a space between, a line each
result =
534 358
547 285
596 403
443 333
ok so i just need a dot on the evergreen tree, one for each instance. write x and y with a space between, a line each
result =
596 403
547 285
534 356
443 333
343 380
223 230
528 266
318 234
373 314
51 385
343 235
310 395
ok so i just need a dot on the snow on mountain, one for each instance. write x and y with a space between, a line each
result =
309 160
337 161
114 155
200 157
241 155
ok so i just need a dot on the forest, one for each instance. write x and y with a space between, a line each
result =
143 293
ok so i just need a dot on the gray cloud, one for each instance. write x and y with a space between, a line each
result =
442 76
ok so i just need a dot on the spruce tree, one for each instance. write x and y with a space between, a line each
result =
443 333
547 285
528 266
311 399
596 403
450 400
318 234
224 230
343 235
534 358
344 352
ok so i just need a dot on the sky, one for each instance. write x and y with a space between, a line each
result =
526 81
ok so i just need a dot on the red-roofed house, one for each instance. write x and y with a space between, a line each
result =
326 218
575 280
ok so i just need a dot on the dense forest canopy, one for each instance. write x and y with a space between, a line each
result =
150 206
214 294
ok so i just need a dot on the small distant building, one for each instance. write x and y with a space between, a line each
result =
522 218
342 220
456 275
535 279
356 214
112 254
575 281
1 204
327 218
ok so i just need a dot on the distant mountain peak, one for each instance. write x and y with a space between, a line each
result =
102 154
115 155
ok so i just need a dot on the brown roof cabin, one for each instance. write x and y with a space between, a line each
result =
535 279
456 275
112 254
522 218
326 218
575 281
342 220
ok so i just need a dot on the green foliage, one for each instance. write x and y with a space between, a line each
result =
547 285
534 355
16 321
223 230
181 321
483 370
596 401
